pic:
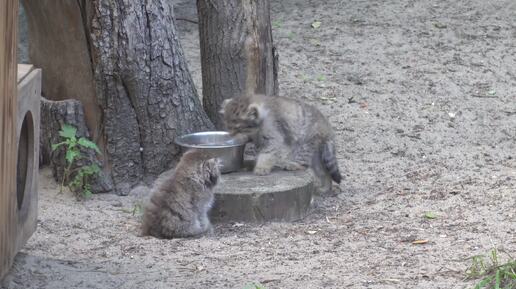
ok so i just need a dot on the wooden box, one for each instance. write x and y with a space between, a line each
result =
19 205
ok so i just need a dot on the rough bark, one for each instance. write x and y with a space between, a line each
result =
237 52
141 84
53 115
58 44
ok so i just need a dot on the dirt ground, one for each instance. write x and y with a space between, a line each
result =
422 95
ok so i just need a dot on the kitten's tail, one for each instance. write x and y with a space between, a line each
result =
329 161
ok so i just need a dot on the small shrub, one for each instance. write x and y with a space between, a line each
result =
72 146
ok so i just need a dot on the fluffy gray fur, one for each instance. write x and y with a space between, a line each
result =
179 205
288 134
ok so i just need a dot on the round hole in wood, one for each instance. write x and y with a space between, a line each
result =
25 158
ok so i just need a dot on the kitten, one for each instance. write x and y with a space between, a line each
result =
179 205
287 133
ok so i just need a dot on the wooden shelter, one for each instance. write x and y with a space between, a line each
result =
20 88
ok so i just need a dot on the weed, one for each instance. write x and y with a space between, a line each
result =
276 24
72 146
254 286
494 273
321 77
430 215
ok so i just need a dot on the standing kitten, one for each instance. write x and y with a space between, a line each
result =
288 134
179 205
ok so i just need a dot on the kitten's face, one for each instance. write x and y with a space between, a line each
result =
241 117
211 172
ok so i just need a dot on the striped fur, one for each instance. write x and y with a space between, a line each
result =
288 133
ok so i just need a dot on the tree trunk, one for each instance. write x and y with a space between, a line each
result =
237 52
141 88
54 114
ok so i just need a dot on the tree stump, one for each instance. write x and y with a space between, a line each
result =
282 196
54 114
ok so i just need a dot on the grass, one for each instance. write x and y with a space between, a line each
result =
254 286
494 273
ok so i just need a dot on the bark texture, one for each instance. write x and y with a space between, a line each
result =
141 85
58 43
237 52
53 115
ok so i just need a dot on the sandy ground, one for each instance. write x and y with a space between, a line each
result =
422 95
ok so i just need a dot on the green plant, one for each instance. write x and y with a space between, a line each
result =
494 273
430 215
276 24
321 77
73 153
254 286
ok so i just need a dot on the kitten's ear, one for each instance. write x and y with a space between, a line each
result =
252 112
223 105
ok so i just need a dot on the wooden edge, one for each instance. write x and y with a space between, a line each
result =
23 71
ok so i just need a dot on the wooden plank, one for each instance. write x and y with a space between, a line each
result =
23 71
8 152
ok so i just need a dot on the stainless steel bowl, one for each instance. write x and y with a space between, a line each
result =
230 151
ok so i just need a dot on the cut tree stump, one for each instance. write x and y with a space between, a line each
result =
54 114
280 196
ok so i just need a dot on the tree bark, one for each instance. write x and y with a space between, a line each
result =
54 114
237 52
142 90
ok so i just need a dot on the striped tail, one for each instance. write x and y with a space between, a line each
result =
329 161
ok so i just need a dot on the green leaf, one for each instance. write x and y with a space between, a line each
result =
484 282
68 131
90 170
316 24
88 144
497 280
321 78
56 145
71 155
276 24
430 215
440 25
87 193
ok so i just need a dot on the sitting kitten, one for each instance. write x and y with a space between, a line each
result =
179 205
288 134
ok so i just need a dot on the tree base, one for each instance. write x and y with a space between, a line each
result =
53 115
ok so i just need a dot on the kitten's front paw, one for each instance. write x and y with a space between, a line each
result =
262 171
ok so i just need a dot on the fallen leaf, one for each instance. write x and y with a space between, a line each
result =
430 215
420 242
440 25
316 24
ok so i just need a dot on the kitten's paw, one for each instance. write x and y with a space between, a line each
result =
293 166
262 171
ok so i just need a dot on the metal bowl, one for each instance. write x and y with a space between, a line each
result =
230 151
